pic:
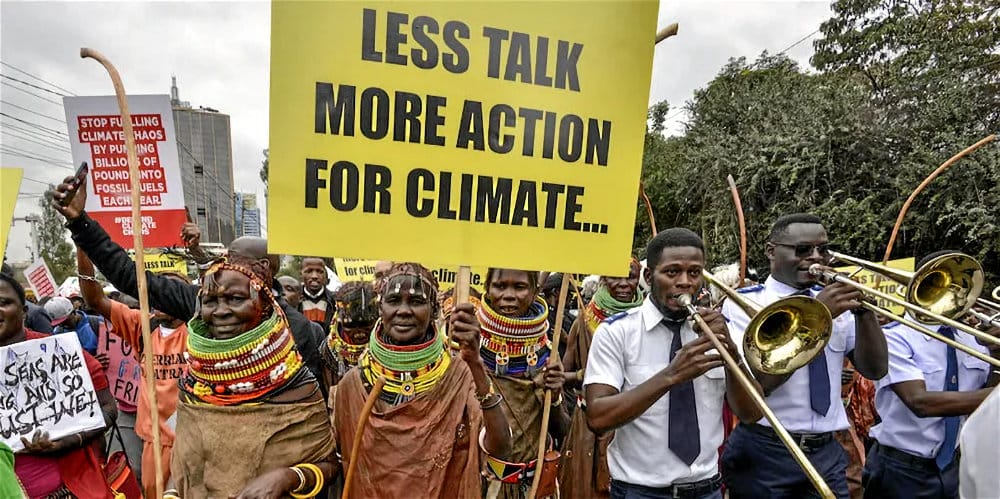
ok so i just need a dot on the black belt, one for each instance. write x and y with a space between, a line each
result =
681 490
808 442
905 457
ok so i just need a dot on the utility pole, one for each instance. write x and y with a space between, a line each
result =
34 220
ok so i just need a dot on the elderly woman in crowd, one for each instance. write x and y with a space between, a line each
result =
251 421
434 411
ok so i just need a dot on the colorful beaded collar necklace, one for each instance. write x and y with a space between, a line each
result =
247 367
514 346
409 370
603 305
345 353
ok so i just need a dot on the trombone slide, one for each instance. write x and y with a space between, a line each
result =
743 378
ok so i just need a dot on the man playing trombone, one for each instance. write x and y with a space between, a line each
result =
806 401
923 400
664 400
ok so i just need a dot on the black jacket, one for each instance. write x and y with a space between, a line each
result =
175 298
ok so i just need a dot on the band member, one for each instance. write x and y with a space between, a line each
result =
806 401
930 387
584 471
653 380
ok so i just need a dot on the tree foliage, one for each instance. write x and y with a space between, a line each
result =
52 244
263 168
901 87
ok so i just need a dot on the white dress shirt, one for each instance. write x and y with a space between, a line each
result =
790 401
626 351
916 356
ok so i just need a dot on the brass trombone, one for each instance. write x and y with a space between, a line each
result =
987 319
946 286
785 335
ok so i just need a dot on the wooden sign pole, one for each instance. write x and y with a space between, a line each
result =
547 404
140 267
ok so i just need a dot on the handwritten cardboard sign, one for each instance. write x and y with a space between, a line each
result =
45 385
123 369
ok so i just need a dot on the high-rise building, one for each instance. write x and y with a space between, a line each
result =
204 147
247 214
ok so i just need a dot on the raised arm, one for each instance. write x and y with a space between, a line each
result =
171 297
91 290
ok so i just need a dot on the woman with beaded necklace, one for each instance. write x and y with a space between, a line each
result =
251 422
584 472
420 439
515 349
356 310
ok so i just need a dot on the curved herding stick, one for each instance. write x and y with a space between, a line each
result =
140 267
359 432
906 206
743 227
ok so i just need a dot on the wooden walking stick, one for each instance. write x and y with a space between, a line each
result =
906 206
359 432
140 266
547 404
743 228
667 32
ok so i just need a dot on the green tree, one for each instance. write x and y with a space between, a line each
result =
263 168
291 266
793 141
53 247
932 72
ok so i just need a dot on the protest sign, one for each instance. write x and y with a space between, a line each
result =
40 279
887 286
469 133
354 269
96 136
10 182
46 386
158 263
123 369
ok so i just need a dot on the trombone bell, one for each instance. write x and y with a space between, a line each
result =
947 285
787 335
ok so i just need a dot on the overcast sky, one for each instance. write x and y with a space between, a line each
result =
220 54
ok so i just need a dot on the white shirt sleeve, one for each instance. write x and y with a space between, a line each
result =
606 361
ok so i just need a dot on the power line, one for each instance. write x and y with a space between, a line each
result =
34 141
11 104
38 134
36 125
53 162
804 38
32 85
46 99
43 80
22 151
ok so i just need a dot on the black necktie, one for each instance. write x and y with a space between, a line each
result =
947 451
683 435
819 377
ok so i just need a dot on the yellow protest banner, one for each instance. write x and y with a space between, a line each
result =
354 269
888 286
504 134
162 262
10 183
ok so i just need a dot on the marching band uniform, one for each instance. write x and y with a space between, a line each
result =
914 456
755 463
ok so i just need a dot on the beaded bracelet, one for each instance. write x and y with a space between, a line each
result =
489 391
319 481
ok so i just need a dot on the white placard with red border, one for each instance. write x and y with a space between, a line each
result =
40 279
96 136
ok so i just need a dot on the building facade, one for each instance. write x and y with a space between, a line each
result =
205 151
247 214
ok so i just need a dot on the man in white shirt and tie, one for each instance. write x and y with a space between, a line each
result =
922 402
659 385
755 463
